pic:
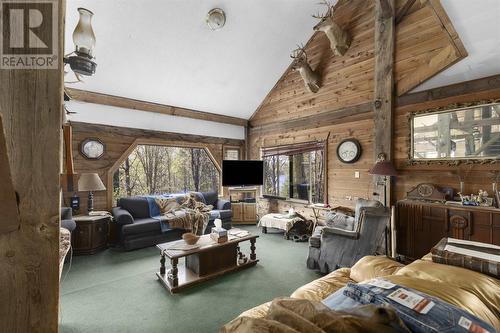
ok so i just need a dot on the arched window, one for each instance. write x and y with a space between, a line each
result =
157 169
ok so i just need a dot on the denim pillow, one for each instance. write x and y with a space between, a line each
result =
442 317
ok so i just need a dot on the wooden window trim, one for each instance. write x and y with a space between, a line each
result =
138 142
294 149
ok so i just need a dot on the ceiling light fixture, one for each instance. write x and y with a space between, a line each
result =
81 60
216 18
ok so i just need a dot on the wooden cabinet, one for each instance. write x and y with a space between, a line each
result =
237 209
420 225
250 212
90 235
244 212
243 204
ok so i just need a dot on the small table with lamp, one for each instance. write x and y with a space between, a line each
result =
92 230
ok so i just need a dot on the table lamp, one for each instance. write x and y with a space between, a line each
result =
383 168
90 182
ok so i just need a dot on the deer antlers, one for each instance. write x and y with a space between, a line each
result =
299 53
328 13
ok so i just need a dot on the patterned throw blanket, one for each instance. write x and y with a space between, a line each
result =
289 315
189 215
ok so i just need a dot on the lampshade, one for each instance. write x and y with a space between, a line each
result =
83 36
90 182
383 168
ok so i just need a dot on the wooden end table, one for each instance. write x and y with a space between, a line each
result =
90 235
206 262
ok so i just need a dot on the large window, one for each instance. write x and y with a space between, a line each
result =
154 169
295 172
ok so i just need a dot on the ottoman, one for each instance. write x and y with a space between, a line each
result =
277 221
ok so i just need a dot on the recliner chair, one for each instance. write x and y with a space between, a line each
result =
331 248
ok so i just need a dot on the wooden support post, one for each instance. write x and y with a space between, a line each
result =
384 84
8 203
404 10
31 106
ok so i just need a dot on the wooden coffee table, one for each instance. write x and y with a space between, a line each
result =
206 262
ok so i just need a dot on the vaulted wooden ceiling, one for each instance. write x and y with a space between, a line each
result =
426 44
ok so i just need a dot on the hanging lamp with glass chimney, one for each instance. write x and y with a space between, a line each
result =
81 60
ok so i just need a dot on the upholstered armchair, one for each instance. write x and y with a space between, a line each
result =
331 247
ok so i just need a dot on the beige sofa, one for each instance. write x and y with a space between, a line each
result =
474 292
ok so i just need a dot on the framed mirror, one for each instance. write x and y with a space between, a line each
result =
92 148
468 133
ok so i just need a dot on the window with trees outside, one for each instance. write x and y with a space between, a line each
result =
295 172
155 169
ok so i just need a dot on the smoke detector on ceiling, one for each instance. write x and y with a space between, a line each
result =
216 18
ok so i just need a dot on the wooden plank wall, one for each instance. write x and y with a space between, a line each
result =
442 175
288 113
117 140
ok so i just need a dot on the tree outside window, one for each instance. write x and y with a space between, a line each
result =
154 169
299 175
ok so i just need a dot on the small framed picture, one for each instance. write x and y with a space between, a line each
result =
488 202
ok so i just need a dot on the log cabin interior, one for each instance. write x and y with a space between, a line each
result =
250 166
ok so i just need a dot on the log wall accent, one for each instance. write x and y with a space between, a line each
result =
343 106
385 32
118 141
31 106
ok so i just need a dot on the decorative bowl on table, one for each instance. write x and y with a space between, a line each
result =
190 238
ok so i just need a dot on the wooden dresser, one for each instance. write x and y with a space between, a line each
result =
420 225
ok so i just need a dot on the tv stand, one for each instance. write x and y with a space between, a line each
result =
243 204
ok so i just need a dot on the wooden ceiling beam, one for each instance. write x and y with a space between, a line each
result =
317 120
129 103
469 87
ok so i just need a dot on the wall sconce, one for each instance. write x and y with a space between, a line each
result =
80 60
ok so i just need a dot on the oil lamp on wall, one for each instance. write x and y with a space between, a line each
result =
81 60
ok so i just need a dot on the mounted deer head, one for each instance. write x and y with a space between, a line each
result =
340 40
310 77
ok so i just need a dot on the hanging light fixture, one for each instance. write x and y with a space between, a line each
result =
216 19
81 60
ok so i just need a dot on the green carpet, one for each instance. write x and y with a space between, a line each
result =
115 291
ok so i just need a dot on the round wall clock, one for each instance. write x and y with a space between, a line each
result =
349 151
92 148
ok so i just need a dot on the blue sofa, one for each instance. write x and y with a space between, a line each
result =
137 227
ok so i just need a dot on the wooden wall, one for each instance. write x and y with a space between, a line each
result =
118 141
426 43
478 175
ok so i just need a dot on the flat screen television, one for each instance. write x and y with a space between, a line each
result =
242 173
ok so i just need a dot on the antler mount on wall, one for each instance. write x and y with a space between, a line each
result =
311 78
340 39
